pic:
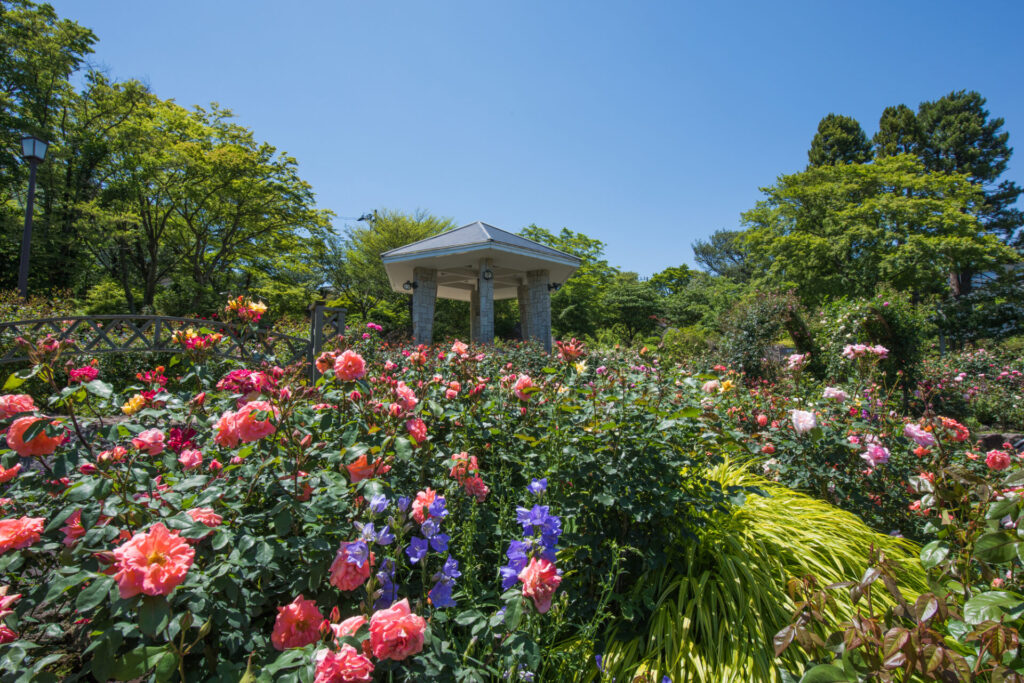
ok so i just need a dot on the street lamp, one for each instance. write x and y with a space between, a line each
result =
33 150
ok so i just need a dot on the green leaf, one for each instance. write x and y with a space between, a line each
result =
992 605
137 662
57 587
154 614
93 594
167 666
933 554
283 522
514 613
98 388
825 673
998 546
34 430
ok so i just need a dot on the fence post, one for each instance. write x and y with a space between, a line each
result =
316 328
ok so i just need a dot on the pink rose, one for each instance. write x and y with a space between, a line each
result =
711 386
997 460
150 441
540 580
190 458
250 428
344 666
836 394
349 366
346 575
12 404
523 382
918 435
396 633
297 624
152 562
417 430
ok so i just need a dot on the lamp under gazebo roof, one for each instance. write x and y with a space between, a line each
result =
480 263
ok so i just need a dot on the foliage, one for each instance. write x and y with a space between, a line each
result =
726 254
842 230
620 468
889 319
981 386
717 605
631 305
839 140
968 626
752 328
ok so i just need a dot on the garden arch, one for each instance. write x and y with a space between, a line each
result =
480 263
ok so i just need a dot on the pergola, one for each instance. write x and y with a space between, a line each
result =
480 263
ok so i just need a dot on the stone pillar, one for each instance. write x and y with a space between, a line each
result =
474 315
423 304
523 295
485 290
539 313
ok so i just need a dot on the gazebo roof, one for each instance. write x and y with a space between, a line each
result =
456 256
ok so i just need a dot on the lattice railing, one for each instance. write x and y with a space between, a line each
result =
97 334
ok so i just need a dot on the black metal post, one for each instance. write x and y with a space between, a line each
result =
26 238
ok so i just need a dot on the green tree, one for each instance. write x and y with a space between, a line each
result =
576 308
845 229
39 53
898 132
839 140
959 136
727 254
361 277
632 306
672 280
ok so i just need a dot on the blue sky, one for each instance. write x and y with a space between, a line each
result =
645 124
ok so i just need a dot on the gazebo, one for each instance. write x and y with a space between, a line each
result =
480 263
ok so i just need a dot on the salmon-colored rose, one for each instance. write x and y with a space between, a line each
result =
152 563
348 576
540 579
227 431
6 474
997 460
16 534
475 486
41 444
417 429
361 469
249 428
297 624
349 366
12 404
73 529
460 349
205 516
396 633
420 506
350 627
344 666
150 441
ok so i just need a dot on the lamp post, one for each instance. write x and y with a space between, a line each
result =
33 150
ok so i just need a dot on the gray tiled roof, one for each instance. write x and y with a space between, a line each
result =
474 234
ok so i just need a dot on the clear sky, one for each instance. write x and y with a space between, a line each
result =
646 124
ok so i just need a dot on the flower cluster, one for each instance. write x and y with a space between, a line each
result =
466 471
245 309
532 560
853 351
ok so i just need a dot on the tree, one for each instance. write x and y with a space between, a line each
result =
726 254
362 280
898 132
958 136
632 305
843 230
191 196
39 52
672 280
576 308
839 140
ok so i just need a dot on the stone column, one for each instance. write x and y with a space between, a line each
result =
485 290
474 315
423 304
539 313
523 295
